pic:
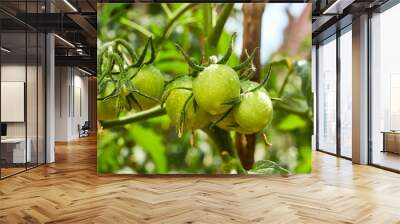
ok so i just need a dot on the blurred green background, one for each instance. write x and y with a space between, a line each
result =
152 146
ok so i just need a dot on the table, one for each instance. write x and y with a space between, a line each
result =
13 150
391 141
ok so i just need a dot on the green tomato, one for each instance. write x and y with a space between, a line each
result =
148 81
107 109
255 110
214 86
195 118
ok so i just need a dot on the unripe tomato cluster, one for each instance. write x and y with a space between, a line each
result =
206 100
136 87
212 95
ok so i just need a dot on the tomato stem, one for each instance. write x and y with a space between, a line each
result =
140 116
215 35
223 141
175 16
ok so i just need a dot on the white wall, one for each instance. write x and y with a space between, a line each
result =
33 126
71 102
61 103
14 73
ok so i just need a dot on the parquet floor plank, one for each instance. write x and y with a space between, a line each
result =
70 191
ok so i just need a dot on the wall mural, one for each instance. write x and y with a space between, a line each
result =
204 88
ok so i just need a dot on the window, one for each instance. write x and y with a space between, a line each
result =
346 93
327 96
385 89
22 95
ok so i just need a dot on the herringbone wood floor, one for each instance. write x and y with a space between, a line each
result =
70 191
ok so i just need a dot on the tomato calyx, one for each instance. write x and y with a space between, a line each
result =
247 62
182 118
263 83
142 56
190 61
198 67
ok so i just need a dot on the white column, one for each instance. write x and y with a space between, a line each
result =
360 90
314 90
50 99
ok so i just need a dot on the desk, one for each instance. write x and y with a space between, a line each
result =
391 141
13 150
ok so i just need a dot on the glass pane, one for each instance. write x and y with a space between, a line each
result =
346 94
385 84
327 97
31 97
13 86
41 98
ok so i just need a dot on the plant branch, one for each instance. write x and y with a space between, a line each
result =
215 34
223 141
166 10
207 22
246 147
140 116
207 18
285 82
175 16
252 24
137 27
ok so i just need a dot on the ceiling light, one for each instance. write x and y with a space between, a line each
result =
64 40
333 6
338 6
70 5
5 50
84 71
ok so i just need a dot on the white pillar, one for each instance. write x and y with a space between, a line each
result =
360 90
314 90
50 99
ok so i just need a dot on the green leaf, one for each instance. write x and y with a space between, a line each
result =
280 62
292 122
173 67
108 153
168 55
267 167
152 143
304 160
293 103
